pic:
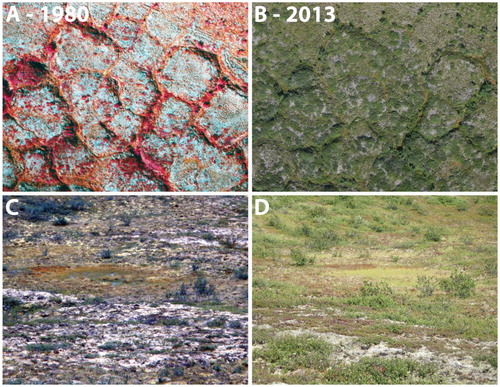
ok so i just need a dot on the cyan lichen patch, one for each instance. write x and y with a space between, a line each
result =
173 118
189 170
137 92
40 117
194 164
15 137
100 12
23 39
73 162
145 53
134 11
37 166
124 32
83 100
159 25
101 141
388 97
188 75
225 119
125 125
44 100
78 51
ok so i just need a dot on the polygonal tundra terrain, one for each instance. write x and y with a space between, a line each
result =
125 290
139 97
388 97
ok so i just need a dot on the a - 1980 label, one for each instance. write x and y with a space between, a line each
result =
56 14
298 14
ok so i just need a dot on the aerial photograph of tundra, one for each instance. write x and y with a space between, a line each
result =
375 96
125 96
375 290
125 290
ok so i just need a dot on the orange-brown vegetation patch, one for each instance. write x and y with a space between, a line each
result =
40 270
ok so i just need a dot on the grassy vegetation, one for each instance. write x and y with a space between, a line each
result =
290 352
402 270
379 371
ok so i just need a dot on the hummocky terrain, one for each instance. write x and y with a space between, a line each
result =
375 290
125 290
387 97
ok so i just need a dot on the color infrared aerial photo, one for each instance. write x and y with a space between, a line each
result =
125 96
125 290
387 97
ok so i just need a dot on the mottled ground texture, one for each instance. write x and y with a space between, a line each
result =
395 97
125 290
375 290
141 97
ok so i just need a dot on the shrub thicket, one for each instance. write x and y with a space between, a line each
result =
426 286
459 284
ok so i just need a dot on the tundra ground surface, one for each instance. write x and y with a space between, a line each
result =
136 97
125 290
387 97
375 290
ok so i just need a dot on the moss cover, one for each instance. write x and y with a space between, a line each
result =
393 97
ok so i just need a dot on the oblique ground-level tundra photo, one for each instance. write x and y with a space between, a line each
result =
125 290
375 290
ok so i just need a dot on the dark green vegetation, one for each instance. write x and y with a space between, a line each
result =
394 97
379 371
292 352
125 290
375 290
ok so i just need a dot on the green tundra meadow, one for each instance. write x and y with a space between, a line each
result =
375 290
